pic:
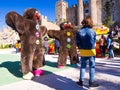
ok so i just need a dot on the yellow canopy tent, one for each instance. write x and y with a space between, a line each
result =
101 29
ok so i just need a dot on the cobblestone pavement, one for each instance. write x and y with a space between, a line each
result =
107 75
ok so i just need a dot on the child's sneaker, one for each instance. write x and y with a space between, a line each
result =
93 84
80 83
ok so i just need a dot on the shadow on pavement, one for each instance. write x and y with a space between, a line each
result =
111 68
108 85
57 82
54 64
13 67
51 64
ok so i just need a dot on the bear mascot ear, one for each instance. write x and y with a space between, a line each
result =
29 13
15 21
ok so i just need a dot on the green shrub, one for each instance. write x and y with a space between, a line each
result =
1 46
7 46
116 51
4 46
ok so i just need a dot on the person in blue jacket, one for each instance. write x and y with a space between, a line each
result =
85 40
57 46
110 47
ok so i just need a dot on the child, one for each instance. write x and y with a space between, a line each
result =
46 45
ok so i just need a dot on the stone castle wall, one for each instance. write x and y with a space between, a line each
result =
48 24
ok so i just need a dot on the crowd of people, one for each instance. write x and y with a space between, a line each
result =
47 47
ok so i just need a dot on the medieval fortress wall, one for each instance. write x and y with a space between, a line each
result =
49 24
94 8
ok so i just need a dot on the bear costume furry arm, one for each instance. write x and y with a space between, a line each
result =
14 20
74 31
43 30
54 34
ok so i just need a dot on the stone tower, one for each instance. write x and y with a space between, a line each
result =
93 11
61 7
99 12
80 11
72 14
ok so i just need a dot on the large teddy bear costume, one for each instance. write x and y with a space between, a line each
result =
66 37
30 33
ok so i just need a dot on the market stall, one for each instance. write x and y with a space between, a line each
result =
99 31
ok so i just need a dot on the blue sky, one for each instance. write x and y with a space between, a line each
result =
46 7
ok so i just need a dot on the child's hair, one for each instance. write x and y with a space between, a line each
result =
46 38
87 22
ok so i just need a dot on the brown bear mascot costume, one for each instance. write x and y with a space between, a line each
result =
30 33
66 37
